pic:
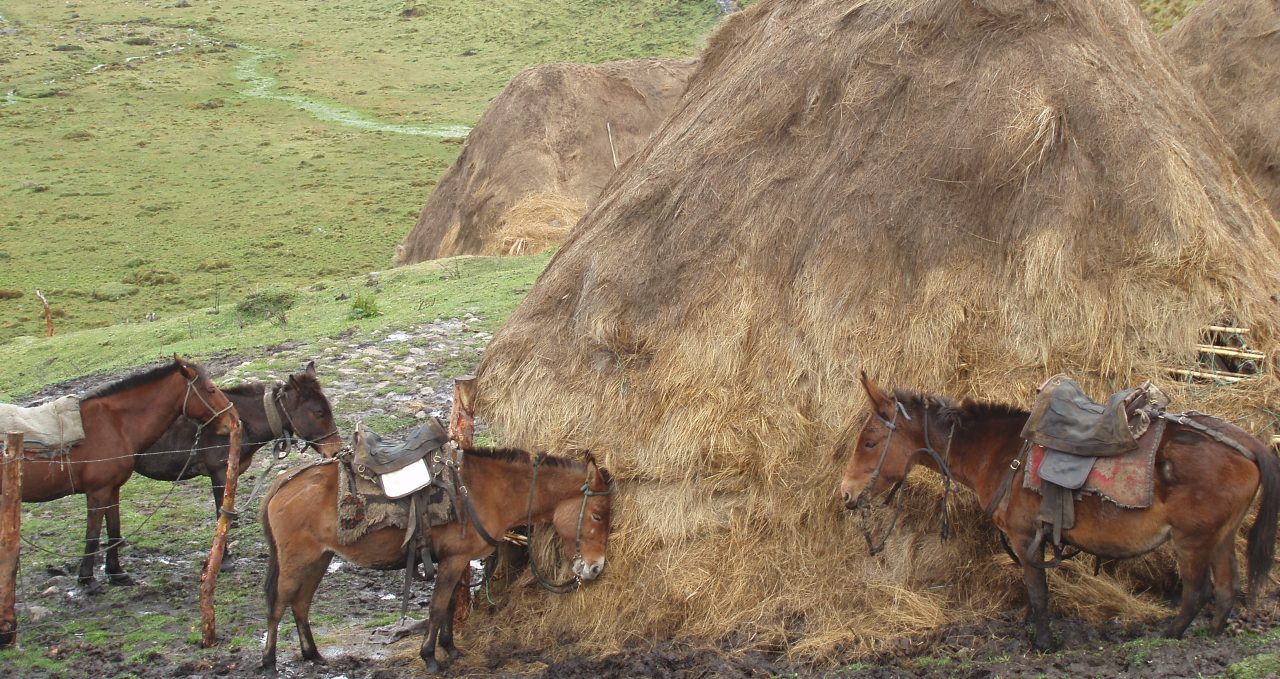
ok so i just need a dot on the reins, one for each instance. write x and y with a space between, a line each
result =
863 500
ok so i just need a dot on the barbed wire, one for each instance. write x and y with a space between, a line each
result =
59 459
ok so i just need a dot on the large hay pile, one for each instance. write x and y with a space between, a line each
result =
959 196
540 155
1229 50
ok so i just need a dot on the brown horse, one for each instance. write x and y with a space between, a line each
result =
121 419
299 519
298 408
1203 489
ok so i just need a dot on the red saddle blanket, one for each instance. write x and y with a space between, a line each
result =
1125 479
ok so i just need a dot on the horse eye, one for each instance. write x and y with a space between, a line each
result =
869 444
596 517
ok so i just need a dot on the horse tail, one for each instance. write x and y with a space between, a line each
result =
273 561
1262 535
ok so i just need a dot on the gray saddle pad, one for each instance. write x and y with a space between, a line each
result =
1064 469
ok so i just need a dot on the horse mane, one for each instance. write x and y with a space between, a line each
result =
951 414
144 376
521 457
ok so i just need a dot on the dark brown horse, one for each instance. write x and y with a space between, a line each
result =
121 419
299 518
1203 489
296 408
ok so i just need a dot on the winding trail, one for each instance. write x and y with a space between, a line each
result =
265 87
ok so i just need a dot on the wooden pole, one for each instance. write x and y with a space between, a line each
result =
462 429
48 315
209 578
10 532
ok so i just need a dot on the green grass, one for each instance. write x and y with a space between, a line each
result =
188 180
1255 667
487 287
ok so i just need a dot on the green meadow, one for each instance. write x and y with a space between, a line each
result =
165 159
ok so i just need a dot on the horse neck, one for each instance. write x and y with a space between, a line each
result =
979 451
255 427
504 486
143 412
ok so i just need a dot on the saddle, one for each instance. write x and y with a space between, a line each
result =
50 428
1067 433
400 468
384 485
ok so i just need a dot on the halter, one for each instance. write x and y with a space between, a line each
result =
863 499
273 401
191 389
572 583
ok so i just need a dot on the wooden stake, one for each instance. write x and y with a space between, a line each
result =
609 128
1233 352
209 578
462 429
462 423
1229 378
10 532
48 315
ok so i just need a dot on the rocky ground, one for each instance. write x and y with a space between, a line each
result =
390 382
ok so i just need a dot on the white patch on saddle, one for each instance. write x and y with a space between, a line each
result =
405 480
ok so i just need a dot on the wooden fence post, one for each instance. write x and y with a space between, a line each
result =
48 315
209 578
10 532
462 429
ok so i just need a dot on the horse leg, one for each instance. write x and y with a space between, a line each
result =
96 503
308 581
1226 581
115 574
1037 583
447 575
446 629
1193 566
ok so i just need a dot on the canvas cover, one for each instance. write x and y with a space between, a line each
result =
53 426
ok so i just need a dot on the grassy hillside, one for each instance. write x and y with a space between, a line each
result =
158 158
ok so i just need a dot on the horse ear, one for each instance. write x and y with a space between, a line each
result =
184 365
879 399
311 368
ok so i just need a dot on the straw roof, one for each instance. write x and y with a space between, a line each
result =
1229 50
959 196
540 154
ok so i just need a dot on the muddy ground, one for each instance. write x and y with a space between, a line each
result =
151 629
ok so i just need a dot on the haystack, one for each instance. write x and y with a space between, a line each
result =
1229 50
958 196
541 154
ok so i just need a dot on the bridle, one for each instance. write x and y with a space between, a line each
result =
863 501
285 435
572 583
191 389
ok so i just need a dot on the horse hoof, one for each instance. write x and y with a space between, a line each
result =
90 586
452 653
121 579
228 564
268 668
433 667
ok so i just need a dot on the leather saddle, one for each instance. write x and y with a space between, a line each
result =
385 458
1065 419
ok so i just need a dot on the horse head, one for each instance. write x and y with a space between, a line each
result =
585 520
884 450
204 402
307 412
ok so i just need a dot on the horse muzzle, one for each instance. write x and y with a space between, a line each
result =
588 571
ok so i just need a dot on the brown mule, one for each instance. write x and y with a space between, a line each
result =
121 419
299 519
1203 489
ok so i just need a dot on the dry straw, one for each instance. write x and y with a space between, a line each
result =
961 197
1229 50
554 133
